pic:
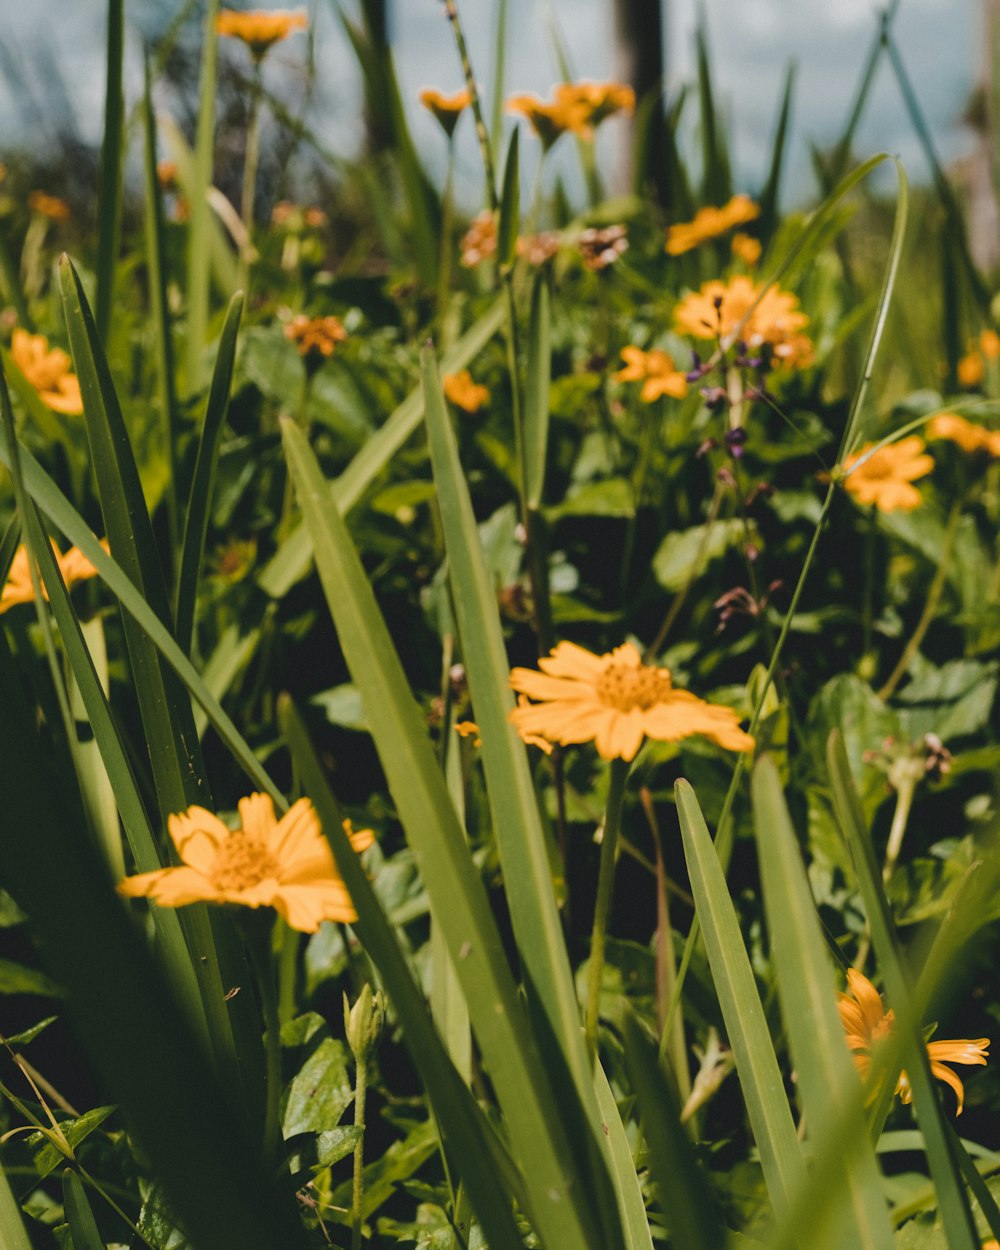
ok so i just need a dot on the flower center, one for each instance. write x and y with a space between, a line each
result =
242 862
627 689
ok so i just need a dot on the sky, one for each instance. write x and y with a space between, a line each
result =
751 44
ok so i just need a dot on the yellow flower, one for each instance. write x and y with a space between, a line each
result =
468 729
589 103
74 567
709 222
967 435
315 336
446 108
260 29
655 369
746 248
866 1022
616 701
50 206
285 864
718 308
463 392
549 121
48 371
989 344
971 369
886 478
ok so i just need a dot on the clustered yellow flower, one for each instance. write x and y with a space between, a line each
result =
260 29
972 366
867 1022
719 310
885 478
577 107
286 864
616 701
709 222
315 336
460 389
446 108
48 371
966 434
655 369
74 567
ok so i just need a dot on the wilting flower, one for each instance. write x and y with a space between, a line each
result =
589 103
50 206
709 223
965 434
538 248
480 240
549 121
717 310
446 108
746 248
74 567
655 369
886 477
315 336
601 248
285 864
866 1022
463 392
615 700
48 371
260 29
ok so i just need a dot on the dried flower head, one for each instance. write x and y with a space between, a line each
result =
655 369
601 248
460 389
48 370
260 29
315 336
480 240
539 248
285 864
709 222
885 477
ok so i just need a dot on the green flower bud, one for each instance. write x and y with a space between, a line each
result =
363 1023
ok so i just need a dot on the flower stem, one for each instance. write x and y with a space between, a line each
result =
357 1199
257 937
602 908
250 162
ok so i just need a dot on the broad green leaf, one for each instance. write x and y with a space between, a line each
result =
320 1092
19 979
684 554
560 1205
47 1156
611 497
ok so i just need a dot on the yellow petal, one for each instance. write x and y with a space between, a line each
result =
197 835
257 816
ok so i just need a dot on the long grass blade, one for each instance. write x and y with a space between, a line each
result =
635 1222
769 195
510 203
109 192
80 1218
716 178
536 397
561 1206
12 1232
199 222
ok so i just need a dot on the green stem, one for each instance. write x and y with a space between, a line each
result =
257 937
602 908
288 960
447 216
250 163
357 1199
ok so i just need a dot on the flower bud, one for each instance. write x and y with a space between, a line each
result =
363 1023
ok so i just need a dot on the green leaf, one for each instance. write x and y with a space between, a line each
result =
746 1024
18 979
47 1156
769 195
336 1144
560 1205
342 706
12 1234
635 1224
320 1092
79 1217
109 192
510 204
199 220
684 554
14 1040
611 497
536 395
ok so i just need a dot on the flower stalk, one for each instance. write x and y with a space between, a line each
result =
602 908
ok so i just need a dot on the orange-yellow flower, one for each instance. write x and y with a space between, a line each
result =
589 103
48 371
709 222
549 121
260 29
718 309
866 1022
50 206
446 108
965 434
989 344
616 701
655 369
886 477
971 369
463 392
285 864
746 248
315 336
74 567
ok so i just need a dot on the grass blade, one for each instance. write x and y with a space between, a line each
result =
769 195
827 1079
717 184
469 1137
536 399
79 1217
635 1223
746 1026
12 1233
202 484
291 561
109 191
560 1204
959 1225
510 203
200 222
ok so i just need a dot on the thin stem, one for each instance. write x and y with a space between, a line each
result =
250 163
602 908
358 1192
477 107
288 959
447 216
930 605
257 937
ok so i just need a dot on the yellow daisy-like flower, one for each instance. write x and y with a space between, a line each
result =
549 121
590 103
260 29
886 478
74 567
709 222
285 864
50 206
48 370
866 1022
315 336
718 309
446 108
655 369
460 389
965 434
616 701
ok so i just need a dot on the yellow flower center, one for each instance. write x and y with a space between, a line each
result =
627 689
242 862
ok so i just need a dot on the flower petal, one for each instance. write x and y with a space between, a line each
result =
257 816
197 834
305 906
